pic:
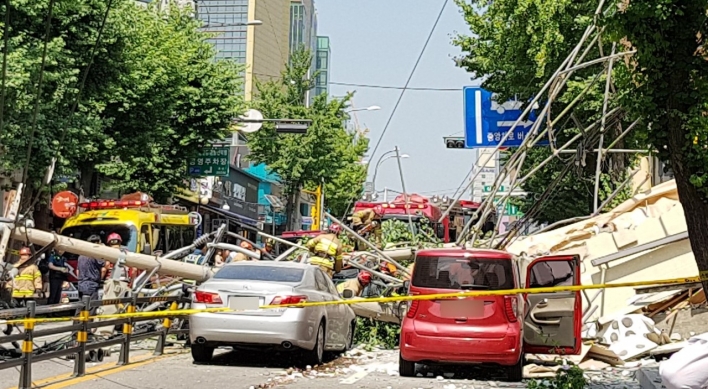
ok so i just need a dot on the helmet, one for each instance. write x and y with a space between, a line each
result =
114 236
246 245
388 267
378 210
25 251
335 228
364 277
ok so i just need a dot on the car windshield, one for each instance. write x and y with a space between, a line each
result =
260 273
128 233
463 273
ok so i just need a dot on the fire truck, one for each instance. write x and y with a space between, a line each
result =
460 214
418 207
144 227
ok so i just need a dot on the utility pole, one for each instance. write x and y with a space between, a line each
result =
405 194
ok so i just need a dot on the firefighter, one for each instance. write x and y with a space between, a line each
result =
356 285
27 284
115 241
327 250
366 219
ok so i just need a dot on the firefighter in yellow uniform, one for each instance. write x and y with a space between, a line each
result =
327 250
356 285
27 284
365 218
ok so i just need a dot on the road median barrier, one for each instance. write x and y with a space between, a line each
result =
76 339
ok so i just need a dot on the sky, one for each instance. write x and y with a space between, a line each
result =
377 42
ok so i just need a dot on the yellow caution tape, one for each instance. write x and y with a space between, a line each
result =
438 296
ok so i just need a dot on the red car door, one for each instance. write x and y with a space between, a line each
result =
552 321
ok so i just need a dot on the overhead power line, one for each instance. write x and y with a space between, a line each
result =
400 97
396 87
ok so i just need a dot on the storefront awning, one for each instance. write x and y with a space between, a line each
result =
238 218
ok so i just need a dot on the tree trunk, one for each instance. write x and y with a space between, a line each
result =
292 192
694 205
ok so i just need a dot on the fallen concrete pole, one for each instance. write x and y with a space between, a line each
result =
141 261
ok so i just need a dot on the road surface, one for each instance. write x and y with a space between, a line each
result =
248 370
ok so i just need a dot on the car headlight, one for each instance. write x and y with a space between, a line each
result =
66 285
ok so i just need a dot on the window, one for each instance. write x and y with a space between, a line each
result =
260 273
551 273
321 60
128 233
463 273
170 238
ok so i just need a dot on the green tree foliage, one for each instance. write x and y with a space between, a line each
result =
152 97
327 152
518 45
666 84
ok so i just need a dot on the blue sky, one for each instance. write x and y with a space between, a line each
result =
376 42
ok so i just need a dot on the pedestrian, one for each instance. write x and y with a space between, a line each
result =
57 276
197 256
92 272
239 256
27 284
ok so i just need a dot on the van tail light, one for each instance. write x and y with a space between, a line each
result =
412 309
207 297
511 306
288 300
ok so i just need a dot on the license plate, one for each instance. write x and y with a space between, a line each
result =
462 308
245 303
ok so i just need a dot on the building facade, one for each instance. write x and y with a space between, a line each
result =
264 49
322 65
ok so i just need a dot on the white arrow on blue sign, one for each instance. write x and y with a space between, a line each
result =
486 122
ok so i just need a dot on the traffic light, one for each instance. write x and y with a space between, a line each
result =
454 142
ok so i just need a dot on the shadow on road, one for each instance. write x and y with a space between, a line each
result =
479 373
266 359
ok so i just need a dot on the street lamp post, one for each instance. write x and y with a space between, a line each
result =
378 164
371 108
405 193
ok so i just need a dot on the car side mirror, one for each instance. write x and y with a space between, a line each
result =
347 294
147 249
406 284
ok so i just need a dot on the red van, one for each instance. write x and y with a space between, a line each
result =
495 330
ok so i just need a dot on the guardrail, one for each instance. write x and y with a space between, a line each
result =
81 330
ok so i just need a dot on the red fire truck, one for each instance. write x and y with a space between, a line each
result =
460 214
418 207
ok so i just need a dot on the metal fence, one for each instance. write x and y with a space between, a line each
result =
84 346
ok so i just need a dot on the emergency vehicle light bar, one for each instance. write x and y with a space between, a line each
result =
112 204
420 206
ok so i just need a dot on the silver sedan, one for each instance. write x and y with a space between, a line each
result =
244 286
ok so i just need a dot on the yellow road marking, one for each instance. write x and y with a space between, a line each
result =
64 380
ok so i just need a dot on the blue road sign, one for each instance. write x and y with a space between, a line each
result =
486 121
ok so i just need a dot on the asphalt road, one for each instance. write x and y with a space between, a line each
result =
262 370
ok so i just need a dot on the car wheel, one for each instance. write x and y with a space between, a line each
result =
405 368
314 357
201 353
515 373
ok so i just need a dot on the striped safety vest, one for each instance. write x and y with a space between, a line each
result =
27 282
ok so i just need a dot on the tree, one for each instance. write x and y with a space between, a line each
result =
152 96
517 45
327 152
667 85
